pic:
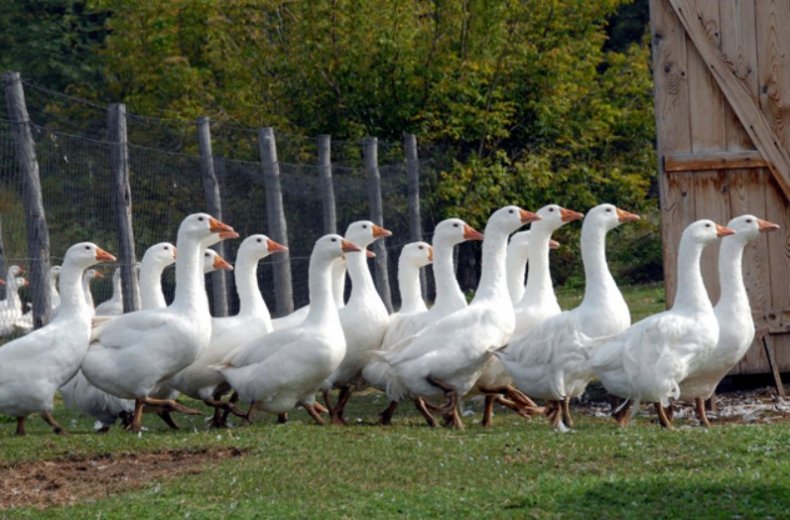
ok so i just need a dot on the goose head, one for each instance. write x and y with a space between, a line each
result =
608 216
260 246
86 254
508 219
552 217
330 247
212 261
204 228
21 281
92 274
14 271
748 227
160 255
417 254
54 272
364 232
705 231
453 231
519 243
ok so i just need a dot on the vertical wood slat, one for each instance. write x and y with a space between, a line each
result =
329 214
122 200
275 215
37 230
711 201
219 282
673 132
413 188
380 264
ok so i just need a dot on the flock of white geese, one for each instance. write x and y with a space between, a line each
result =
512 343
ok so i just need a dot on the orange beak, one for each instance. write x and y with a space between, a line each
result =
624 216
221 263
764 225
528 216
471 233
568 215
369 253
25 282
98 274
21 269
174 252
104 256
430 254
274 247
380 232
553 244
225 235
217 227
349 247
722 231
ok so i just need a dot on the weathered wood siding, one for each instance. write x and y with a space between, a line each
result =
722 95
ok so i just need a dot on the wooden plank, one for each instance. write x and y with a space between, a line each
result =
275 216
759 129
710 201
707 116
122 200
380 264
413 186
35 218
673 130
706 161
778 254
772 20
738 44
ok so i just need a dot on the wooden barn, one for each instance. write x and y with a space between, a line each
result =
722 98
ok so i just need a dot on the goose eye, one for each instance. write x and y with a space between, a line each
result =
200 219
551 209
334 240
364 226
511 211
260 240
707 225
608 210
87 248
455 225
167 248
420 248
748 221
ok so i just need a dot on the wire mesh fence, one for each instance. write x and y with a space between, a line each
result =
73 153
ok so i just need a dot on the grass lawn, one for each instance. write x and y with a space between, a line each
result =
515 469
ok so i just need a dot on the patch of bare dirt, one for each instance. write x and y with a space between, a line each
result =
48 483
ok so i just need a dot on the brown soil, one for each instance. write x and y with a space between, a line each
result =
50 483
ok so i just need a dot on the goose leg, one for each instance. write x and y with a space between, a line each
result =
520 410
669 411
20 426
137 418
282 418
342 401
422 406
622 416
449 392
488 411
220 420
327 399
320 408
167 417
455 419
566 412
386 415
662 416
701 414
58 429
525 404
553 412
311 410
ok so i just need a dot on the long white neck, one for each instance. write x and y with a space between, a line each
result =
517 256
339 282
733 291
539 286
151 295
493 284
361 280
250 299
599 284
12 292
322 304
53 287
190 292
691 293
73 298
86 288
448 292
117 290
409 284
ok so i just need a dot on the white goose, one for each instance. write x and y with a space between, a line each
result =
199 380
79 394
11 307
448 356
286 368
33 367
364 318
537 304
114 305
517 258
25 323
449 298
338 291
551 360
733 313
155 260
135 352
87 279
648 361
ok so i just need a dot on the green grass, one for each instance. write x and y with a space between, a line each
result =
643 300
516 469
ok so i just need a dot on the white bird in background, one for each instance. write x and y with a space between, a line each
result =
114 305
649 360
733 313
517 258
11 307
449 356
155 260
135 352
34 366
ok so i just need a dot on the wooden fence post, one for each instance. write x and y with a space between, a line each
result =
275 214
37 231
371 156
327 188
413 187
2 261
219 283
122 200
